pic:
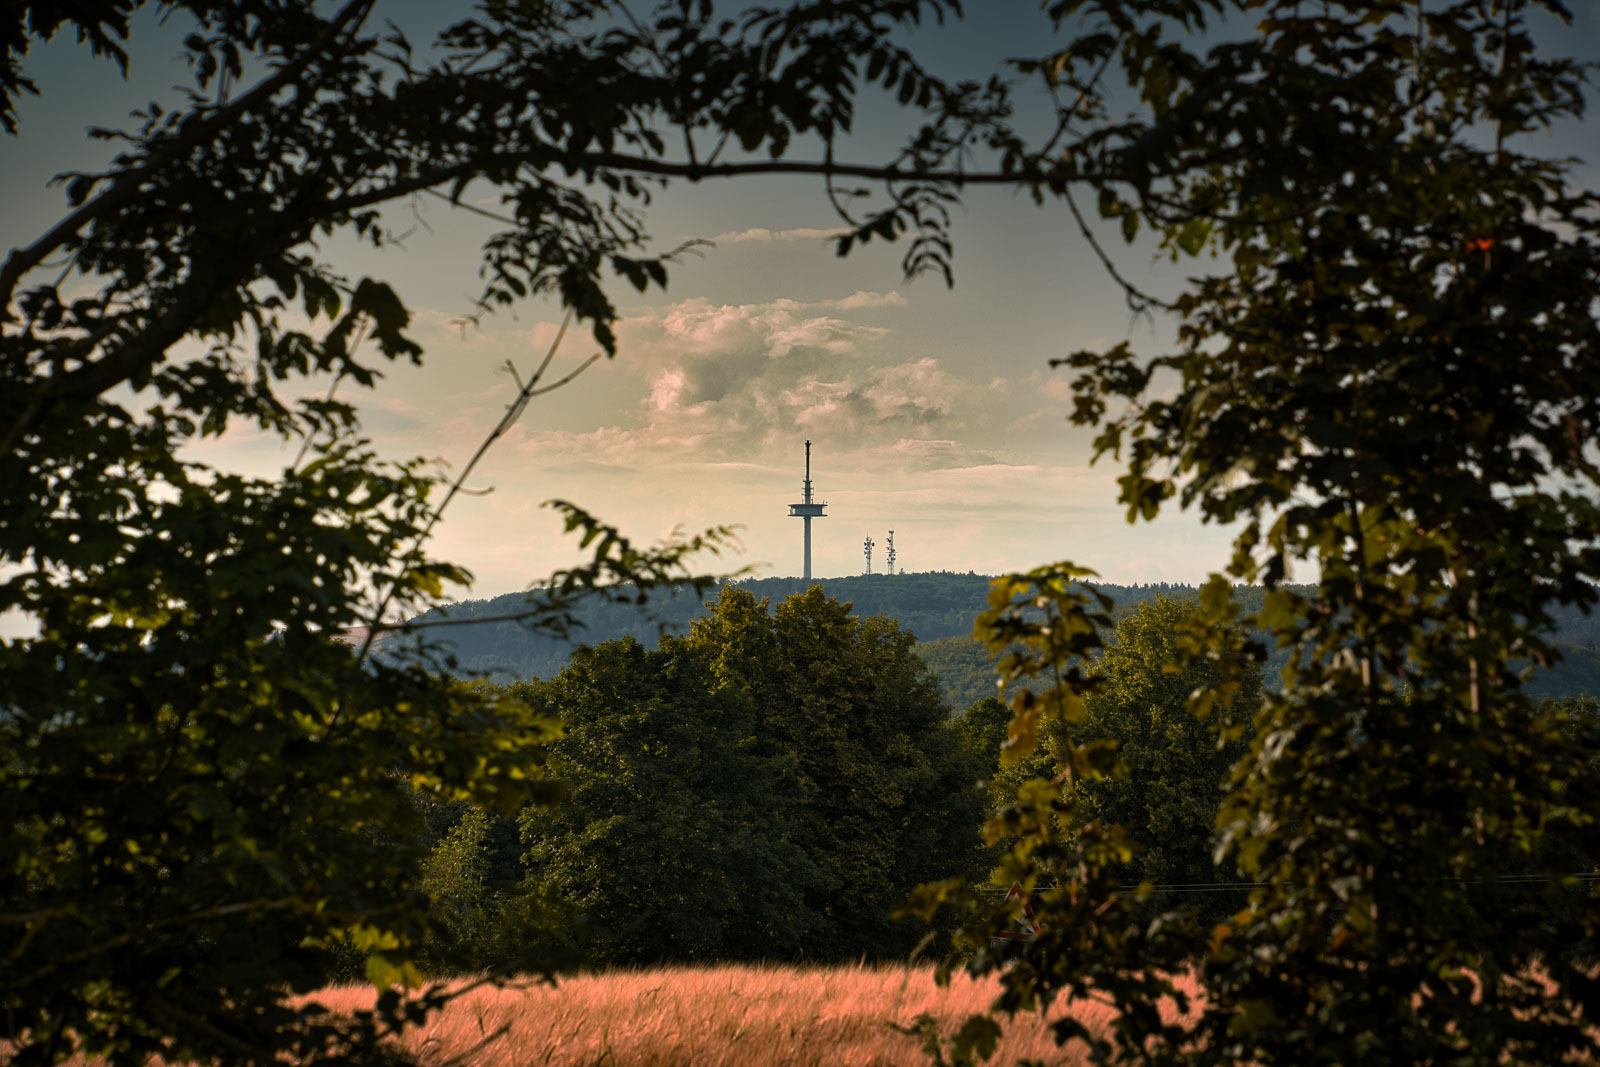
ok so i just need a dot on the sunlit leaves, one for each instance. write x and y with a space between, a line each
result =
1053 619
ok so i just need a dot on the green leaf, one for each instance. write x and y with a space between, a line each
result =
1251 1016
976 1041
1191 237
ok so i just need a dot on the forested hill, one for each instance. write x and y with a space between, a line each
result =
936 606
931 605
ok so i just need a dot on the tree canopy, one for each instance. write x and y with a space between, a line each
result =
1173 763
1384 377
768 787
875 786
669 845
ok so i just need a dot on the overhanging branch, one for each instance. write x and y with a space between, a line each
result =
125 187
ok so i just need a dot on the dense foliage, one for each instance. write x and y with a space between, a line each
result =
697 827
768 787
668 846
1165 786
485 916
1388 376
1171 763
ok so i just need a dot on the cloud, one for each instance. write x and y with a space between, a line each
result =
920 392
939 454
738 383
701 419
862 298
766 236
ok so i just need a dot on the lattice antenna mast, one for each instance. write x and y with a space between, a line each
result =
890 552
867 545
807 509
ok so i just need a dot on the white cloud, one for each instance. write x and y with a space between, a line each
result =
764 235
701 419
742 383
863 298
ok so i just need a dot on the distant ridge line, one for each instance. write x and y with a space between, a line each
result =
936 606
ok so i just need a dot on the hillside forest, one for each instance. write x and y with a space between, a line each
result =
936 608
772 784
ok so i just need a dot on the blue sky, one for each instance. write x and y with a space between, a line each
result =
931 411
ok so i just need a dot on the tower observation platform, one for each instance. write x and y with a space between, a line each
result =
807 509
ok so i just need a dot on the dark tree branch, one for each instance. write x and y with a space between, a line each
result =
526 391
126 186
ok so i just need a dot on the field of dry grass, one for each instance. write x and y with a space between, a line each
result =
714 1016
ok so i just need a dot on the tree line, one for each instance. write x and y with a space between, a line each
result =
928 604
769 785
936 607
775 782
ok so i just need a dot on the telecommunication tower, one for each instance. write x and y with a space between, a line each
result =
867 545
890 552
807 509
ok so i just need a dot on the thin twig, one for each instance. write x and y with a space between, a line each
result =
1137 298
1083 95
305 445
514 411
506 219
833 191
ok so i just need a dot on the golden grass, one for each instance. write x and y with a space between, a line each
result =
724 1015
714 1016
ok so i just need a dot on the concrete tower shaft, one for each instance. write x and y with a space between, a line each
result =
807 509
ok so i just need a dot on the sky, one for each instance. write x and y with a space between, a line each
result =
932 411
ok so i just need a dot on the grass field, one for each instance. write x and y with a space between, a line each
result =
714 1016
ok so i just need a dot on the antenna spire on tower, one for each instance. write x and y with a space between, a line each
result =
867 545
890 552
807 509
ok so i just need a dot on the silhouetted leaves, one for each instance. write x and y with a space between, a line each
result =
1382 384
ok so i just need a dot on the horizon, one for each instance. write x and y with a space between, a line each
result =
931 411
